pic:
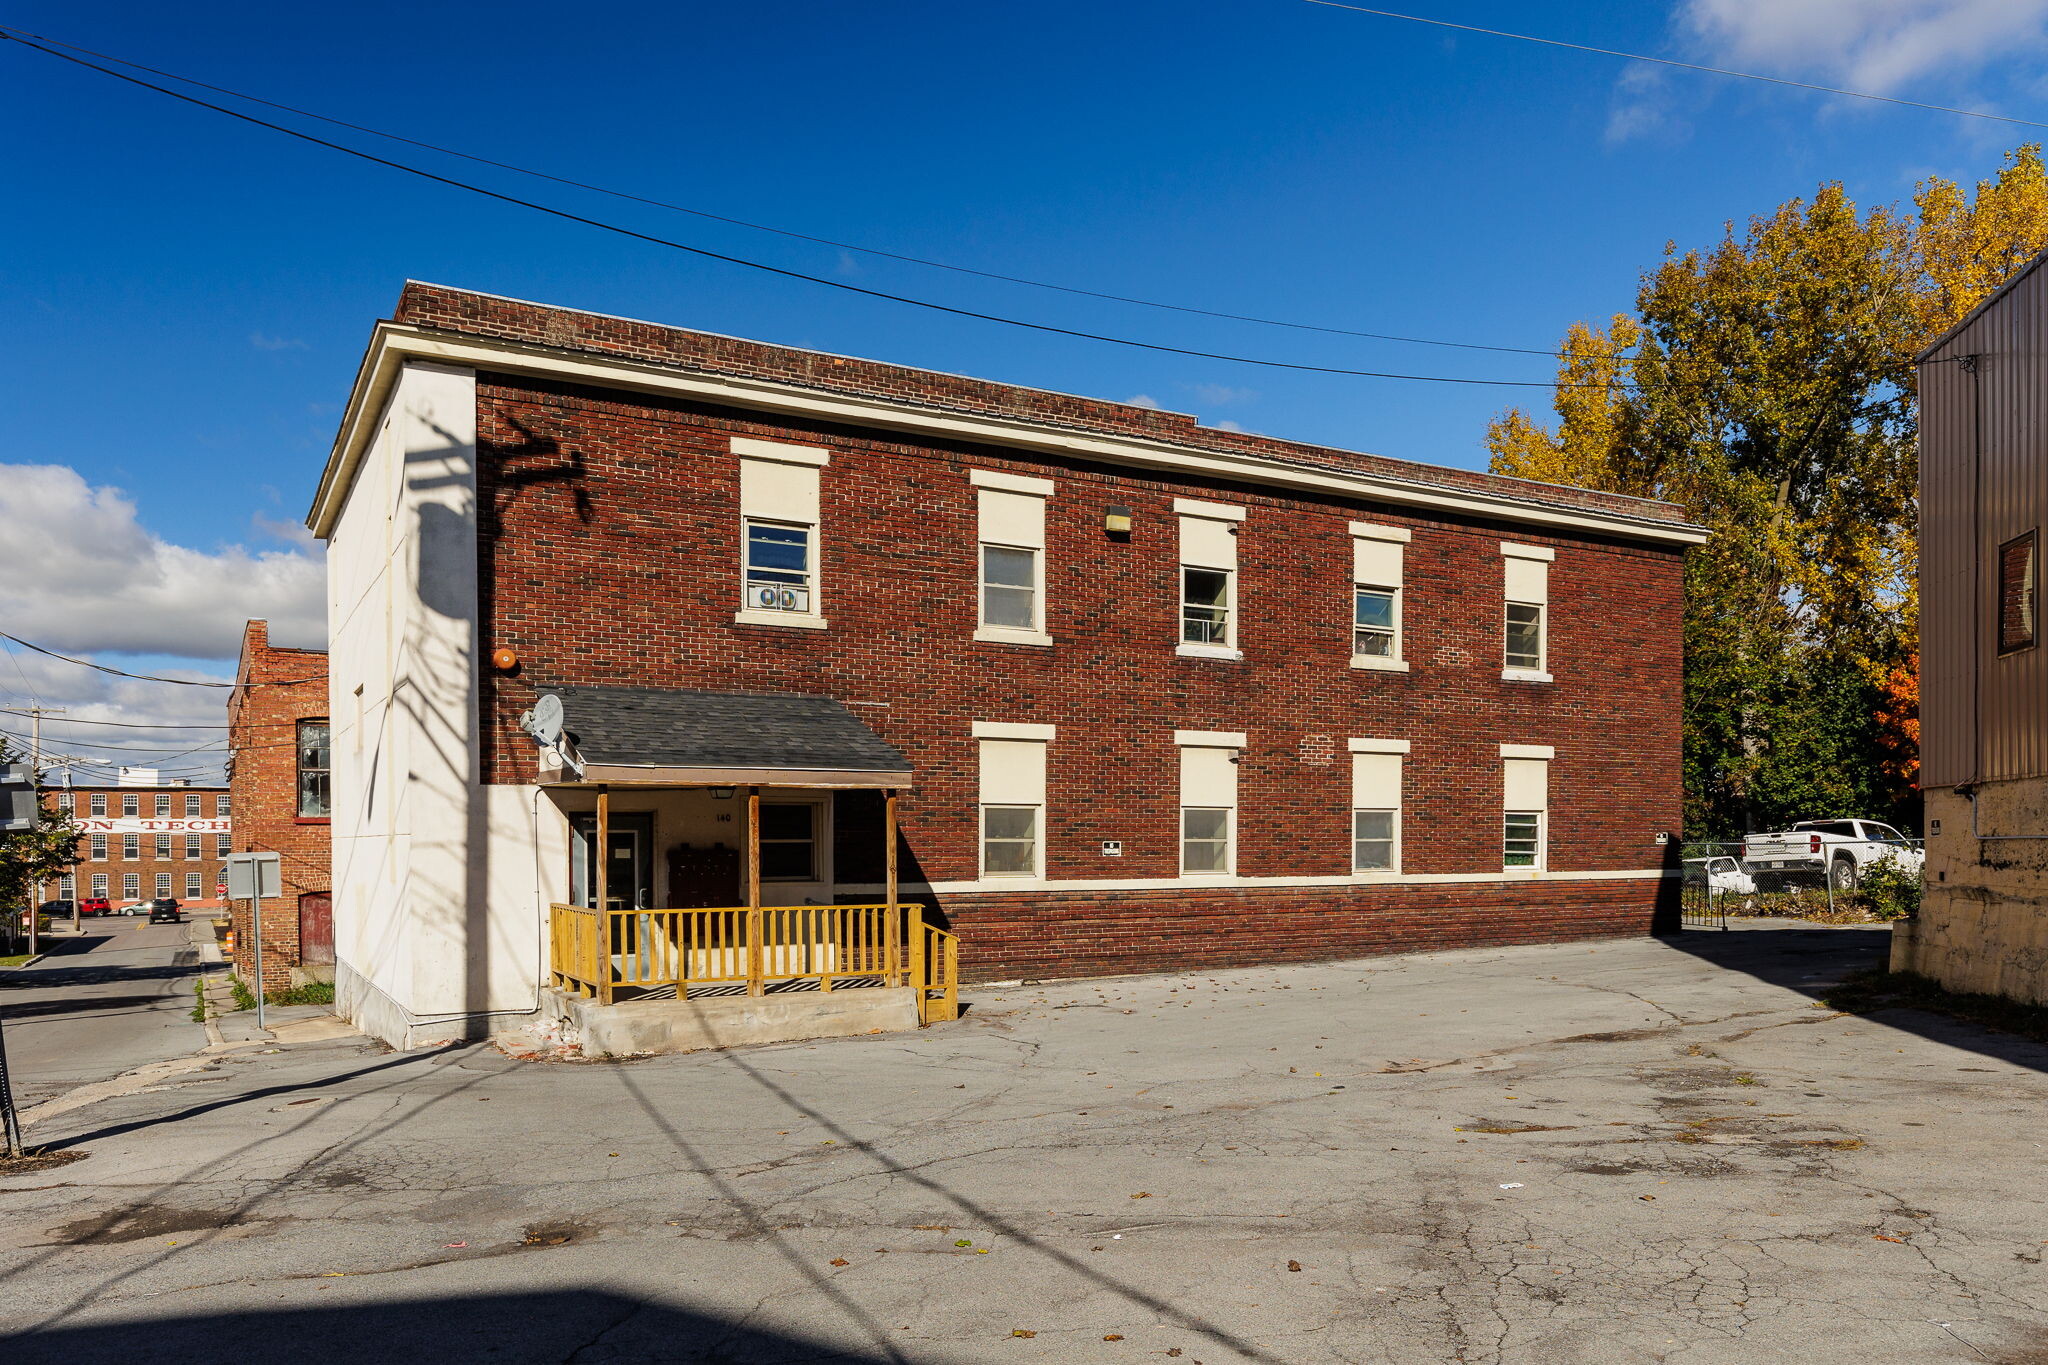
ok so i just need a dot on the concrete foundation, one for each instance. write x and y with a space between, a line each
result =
1983 924
640 1027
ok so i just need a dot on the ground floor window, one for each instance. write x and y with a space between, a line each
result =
789 842
67 887
1372 840
1522 842
99 886
1009 841
192 891
163 884
1205 838
131 885
223 844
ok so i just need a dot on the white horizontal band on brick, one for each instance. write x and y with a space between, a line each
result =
1365 530
1010 483
1528 751
1209 739
1514 551
1214 511
755 449
1377 746
1218 881
1012 729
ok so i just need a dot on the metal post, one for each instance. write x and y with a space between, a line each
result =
896 964
256 933
917 962
7 1116
756 968
603 893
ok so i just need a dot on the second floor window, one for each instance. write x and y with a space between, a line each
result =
220 805
163 806
191 848
1373 629
163 847
191 807
1205 607
130 805
1525 636
780 570
313 774
99 803
131 847
99 848
223 845
1009 587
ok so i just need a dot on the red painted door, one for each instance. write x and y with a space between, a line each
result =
316 928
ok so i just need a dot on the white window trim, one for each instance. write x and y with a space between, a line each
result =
1541 673
1234 740
1212 511
1393 869
1037 872
1546 752
1542 863
1188 649
1209 739
1012 729
1400 535
1011 635
753 448
1010 483
1036 732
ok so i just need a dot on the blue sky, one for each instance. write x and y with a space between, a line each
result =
187 297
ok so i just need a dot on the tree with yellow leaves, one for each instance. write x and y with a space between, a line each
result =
1767 386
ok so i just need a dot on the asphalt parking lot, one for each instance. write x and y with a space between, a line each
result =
1620 1151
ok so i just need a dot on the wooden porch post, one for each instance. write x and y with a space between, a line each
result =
604 911
756 968
898 969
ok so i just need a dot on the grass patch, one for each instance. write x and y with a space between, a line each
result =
1881 990
13 960
307 993
245 999
199 1010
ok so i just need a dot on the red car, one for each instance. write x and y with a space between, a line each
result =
95 905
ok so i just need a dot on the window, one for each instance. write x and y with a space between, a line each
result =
778 567
1208 801
1013 761
1525 791
191 848
99 803
163 806
779 533
192 886
131 848
1010 521
163 847
64 806
789 842
313 788
223 845
191 807
220 805
2016 594
1208 578
67 887
130 804
99 886
1525 653
131 886
1376 804
99 848
1376 555
163 884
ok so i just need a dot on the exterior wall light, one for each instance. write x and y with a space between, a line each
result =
721 793
1116 520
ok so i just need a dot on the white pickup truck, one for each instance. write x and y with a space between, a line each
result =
1840 849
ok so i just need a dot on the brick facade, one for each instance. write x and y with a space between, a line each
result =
153 859
609 531
263 724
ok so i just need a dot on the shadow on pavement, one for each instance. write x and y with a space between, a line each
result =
70 947
544 1325
21 1011
1814 961
43 979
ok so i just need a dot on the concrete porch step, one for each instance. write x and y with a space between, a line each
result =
640 1027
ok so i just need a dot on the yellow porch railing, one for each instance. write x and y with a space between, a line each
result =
833 946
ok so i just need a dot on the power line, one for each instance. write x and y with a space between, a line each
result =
159 725
783 232
566 216
147 677
1671 61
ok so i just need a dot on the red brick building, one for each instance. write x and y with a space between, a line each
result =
278 772
1166 695
140 843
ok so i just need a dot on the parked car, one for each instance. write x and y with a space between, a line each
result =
1839 850
56 909
94 905
1722 876
135 907
166 910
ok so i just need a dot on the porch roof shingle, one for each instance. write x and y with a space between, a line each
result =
724 736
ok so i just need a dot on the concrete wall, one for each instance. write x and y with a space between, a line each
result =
1983 923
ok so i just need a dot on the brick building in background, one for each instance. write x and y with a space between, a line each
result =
143 842
277 737
1156 695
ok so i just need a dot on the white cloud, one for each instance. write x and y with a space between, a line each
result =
1227 425
264 342
87 695
1873 45
84 576
1141 400
1220 394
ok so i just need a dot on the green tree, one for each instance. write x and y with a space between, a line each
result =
35 856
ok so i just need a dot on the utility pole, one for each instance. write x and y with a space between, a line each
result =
36 712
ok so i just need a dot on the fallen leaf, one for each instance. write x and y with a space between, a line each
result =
981 1251
1173 1350
453 1245
1294 1265
1114 1336
1880 1237
839 1260
1020 1332
1647 1198
611 1153
964 1242
1142 1194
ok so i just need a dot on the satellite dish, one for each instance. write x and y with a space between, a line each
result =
544 721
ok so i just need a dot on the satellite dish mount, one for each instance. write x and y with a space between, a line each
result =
544 724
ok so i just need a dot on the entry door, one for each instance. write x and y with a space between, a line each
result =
629 870
316 927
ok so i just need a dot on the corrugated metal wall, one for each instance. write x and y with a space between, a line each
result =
1982 442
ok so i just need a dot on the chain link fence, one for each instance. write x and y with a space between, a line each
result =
1718 881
